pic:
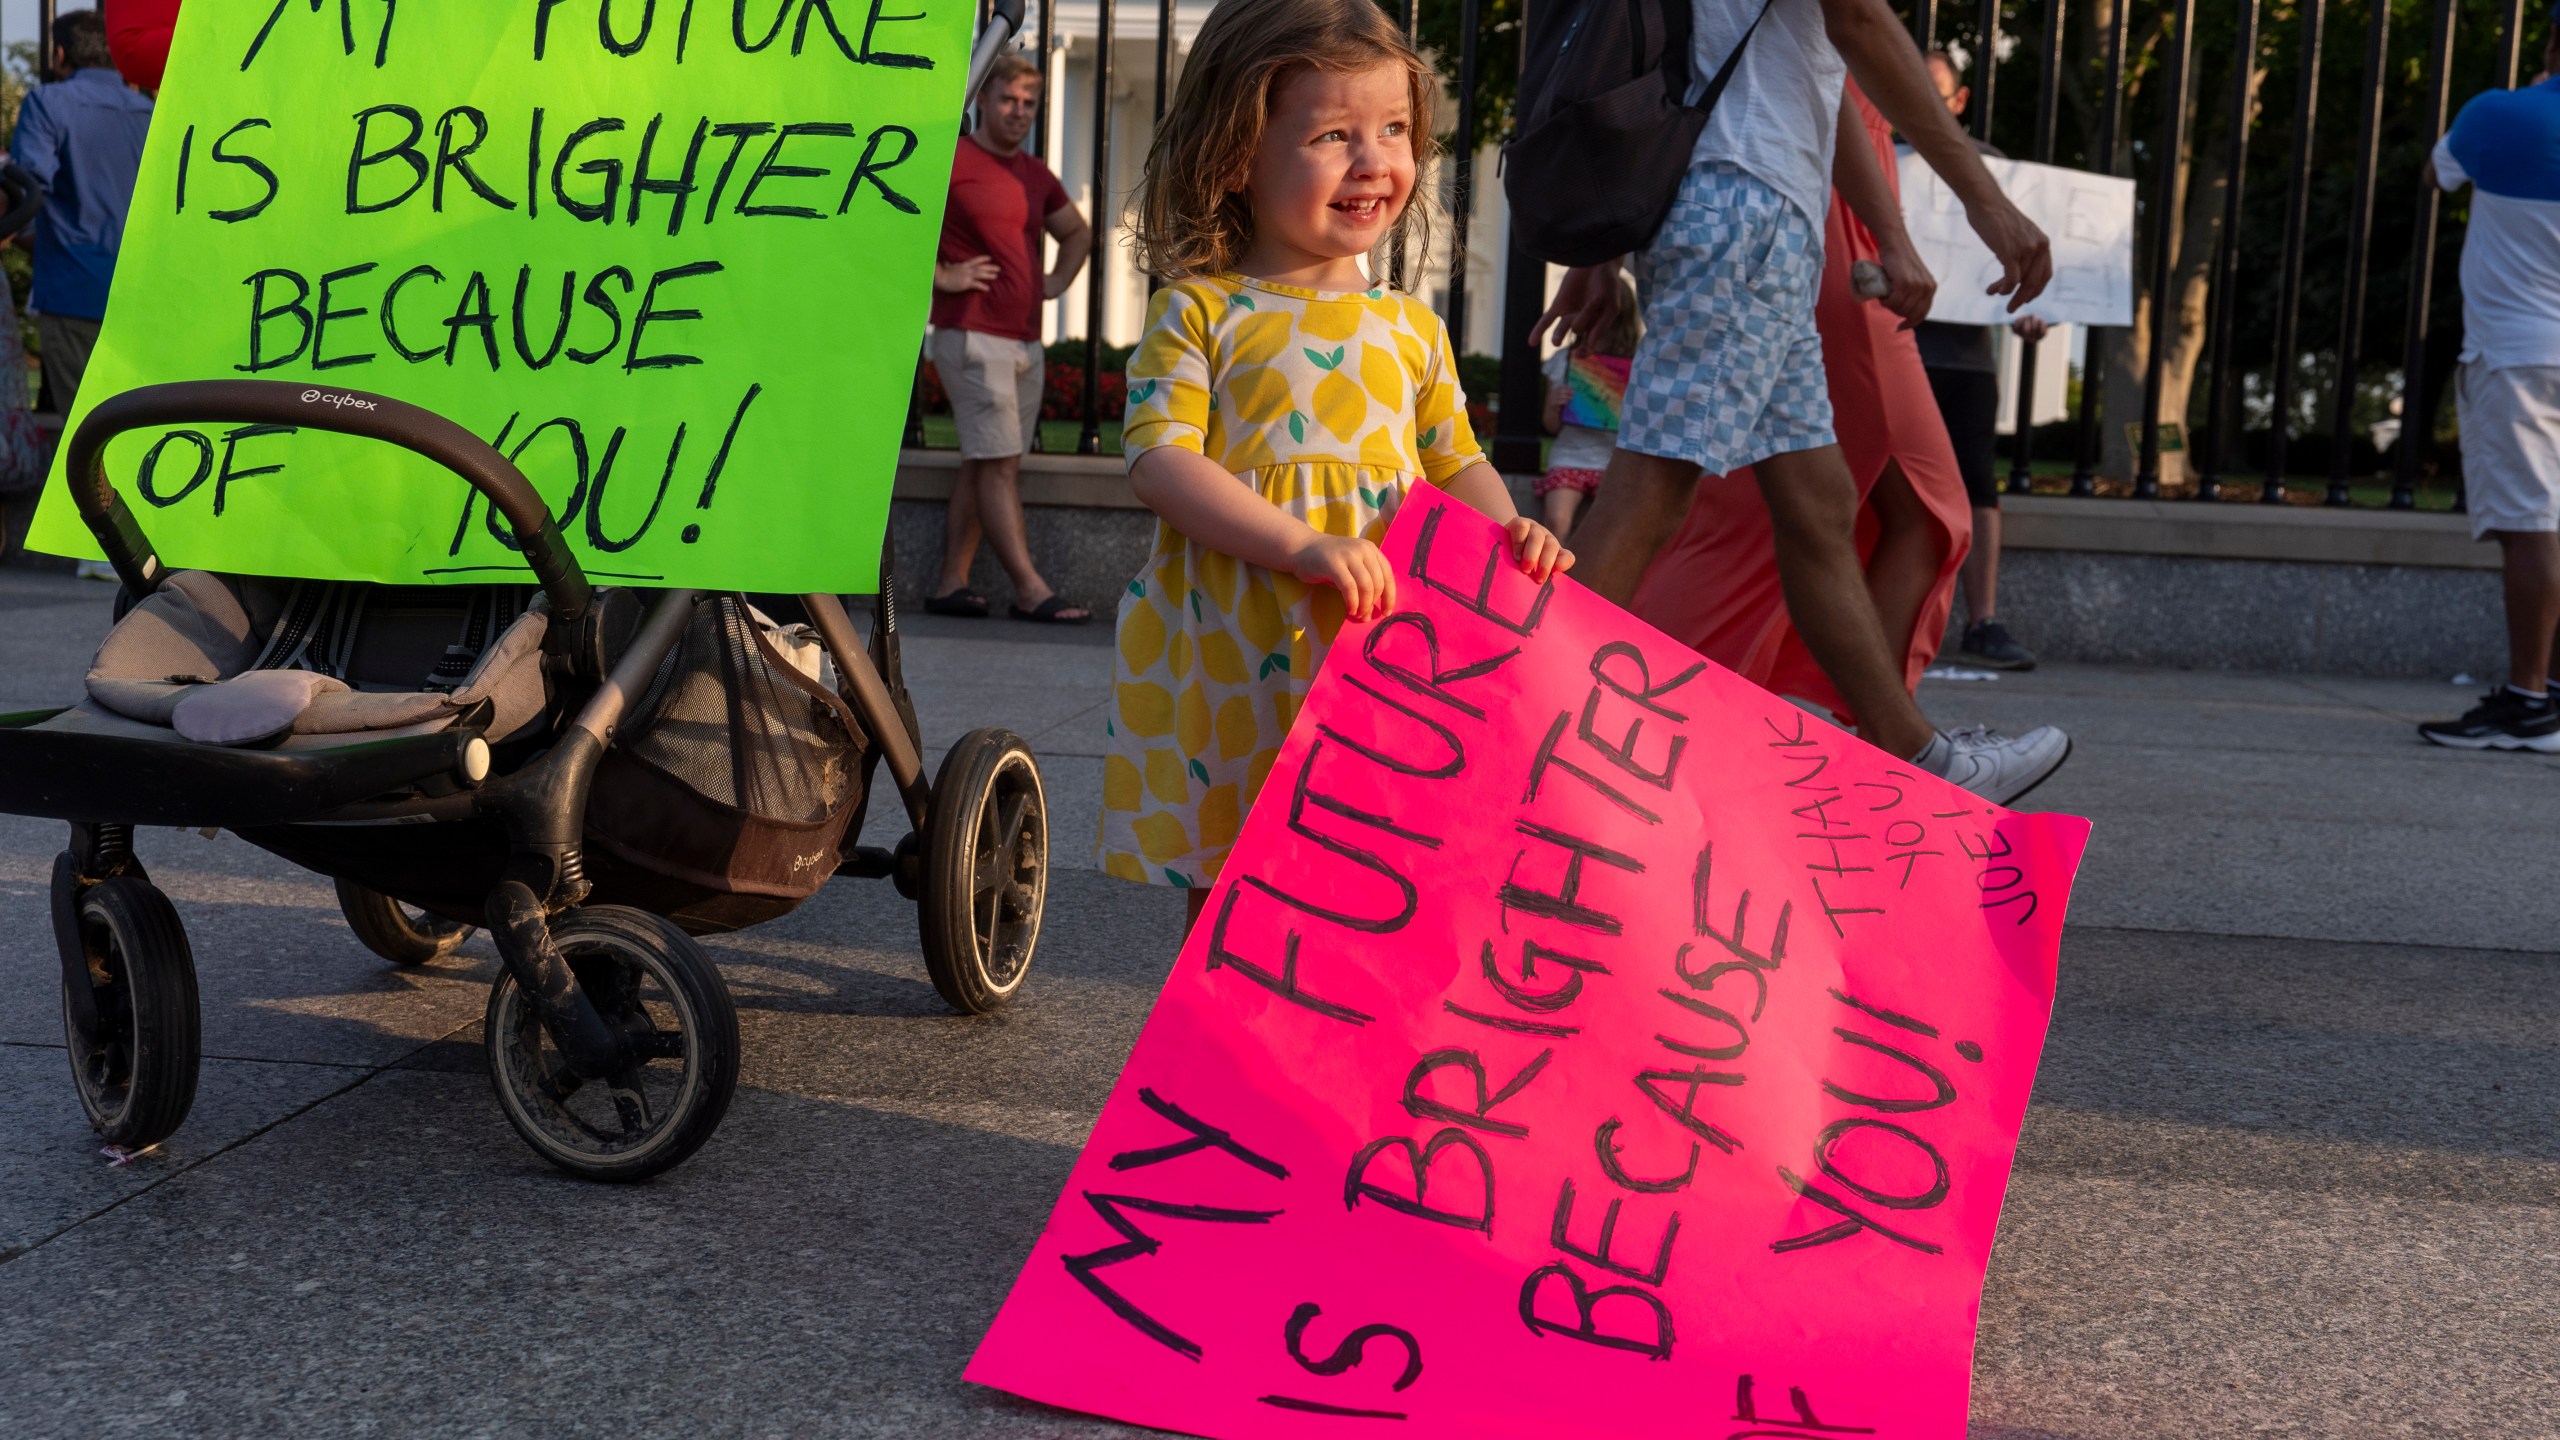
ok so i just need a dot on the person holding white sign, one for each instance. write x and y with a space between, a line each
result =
1731 370
1965 376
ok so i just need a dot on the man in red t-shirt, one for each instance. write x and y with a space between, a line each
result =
988 286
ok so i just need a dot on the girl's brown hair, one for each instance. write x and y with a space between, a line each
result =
1191 216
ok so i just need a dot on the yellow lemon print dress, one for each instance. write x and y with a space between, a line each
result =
1327 404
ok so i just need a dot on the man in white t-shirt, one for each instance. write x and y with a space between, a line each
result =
1730 371
2506 145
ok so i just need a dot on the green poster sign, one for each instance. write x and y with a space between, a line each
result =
672 257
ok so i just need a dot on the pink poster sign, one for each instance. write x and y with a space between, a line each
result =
1580 1041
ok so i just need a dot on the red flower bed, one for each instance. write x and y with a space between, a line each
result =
1062 396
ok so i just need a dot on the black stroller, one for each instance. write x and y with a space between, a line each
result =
595 775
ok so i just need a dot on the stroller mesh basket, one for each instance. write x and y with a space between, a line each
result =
731 786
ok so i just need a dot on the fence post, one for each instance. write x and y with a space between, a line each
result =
2226 269
1409 15
2093 368
2146 475
2048 99
2417 420
1164 82
1519 427
2377 45
1048 77
1462 188
1096 275
2306 113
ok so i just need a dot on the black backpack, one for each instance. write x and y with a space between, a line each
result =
1607 120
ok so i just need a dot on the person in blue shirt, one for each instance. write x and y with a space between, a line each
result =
81 136
2505 145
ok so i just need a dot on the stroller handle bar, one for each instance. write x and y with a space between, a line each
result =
1004 21
312 407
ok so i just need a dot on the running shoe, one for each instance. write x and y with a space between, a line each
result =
1987 643
1999 768
2503 720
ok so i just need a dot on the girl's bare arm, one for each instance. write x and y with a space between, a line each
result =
1214 508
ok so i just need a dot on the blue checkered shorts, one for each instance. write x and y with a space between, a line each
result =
1730 368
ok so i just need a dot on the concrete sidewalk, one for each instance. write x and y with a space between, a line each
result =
2290 1168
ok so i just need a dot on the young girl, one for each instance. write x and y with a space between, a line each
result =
1279 406
1585 387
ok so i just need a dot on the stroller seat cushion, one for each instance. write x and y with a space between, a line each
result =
202 633
248 709
193 629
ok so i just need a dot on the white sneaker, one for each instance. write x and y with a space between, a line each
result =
1997 767
98 570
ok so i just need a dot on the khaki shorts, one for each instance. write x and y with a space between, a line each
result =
995 386
2510 446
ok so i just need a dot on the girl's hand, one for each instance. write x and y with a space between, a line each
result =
1353 566
1537 548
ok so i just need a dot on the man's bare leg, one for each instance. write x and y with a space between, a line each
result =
1642 500
2532 571
1982 567
960 529
1813 508
1910 551
1000 511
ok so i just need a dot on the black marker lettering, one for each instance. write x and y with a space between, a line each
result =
230 442
320 360
1691 1081
1586 1306
680 188
598 300
1564 903
1432 681
146 481
1605 1141
1357 1187
601 208
473 312
1285 982
1204 1136
1560 1235
1480 602
649 311
559 331
404 150
456 159
1422 1107
872 167
260 312
1135 1244
1541 1002
247 162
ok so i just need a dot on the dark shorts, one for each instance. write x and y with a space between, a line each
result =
1970 401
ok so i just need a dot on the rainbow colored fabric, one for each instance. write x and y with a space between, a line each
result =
1599 384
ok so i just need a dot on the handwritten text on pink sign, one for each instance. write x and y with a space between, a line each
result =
1580 1042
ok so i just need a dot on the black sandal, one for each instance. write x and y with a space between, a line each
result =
963 602
1052 612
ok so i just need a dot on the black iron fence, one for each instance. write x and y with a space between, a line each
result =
2284 241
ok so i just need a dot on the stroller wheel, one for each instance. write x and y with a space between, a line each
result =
395 932
666 1001
135 1065
986 870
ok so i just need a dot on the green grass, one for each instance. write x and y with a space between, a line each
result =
1057 437
2053 477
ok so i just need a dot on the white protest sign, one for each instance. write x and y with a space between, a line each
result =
2089 218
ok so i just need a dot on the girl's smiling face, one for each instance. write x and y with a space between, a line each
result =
1333 173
